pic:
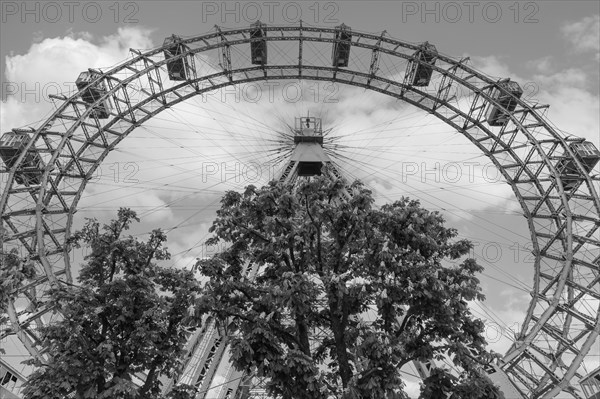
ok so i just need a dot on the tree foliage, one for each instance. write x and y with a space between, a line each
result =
14 271
328 262
127 319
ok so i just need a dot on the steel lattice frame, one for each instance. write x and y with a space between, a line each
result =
564 225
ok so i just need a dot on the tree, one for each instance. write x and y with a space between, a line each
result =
129 316
327 262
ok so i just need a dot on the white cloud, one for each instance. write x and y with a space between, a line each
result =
542 65
61 59
494 66
584 34
573 110
52 65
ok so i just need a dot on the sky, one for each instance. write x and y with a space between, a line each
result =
174 169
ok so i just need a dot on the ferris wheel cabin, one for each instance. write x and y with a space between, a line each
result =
258 46
587 153
419 73
495 115
590 385
11 146
341 46
177 69
90 93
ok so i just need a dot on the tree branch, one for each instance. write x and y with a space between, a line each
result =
284 333
256 233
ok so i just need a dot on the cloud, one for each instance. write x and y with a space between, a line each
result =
494 66
75 52
542 65
52 65
570 77
584 35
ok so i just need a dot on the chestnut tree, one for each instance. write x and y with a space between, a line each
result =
326 295
125 324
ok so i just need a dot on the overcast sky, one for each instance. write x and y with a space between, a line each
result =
174 170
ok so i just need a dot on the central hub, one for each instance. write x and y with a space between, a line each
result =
308 130
308 153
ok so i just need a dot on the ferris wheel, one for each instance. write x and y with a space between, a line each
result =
551 174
